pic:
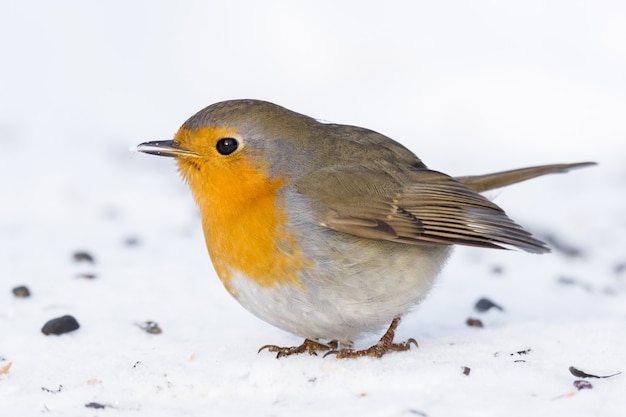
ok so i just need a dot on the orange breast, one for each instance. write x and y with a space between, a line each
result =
243 214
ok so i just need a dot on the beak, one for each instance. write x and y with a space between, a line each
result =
164 148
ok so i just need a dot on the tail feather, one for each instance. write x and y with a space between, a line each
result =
480 183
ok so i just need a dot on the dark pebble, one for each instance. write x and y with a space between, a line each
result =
82 256
582 384
466 370
485 304
474 322
521 352
60 325
566 280
150 327
97 406
21 291
53 391
497 270
563 280
131 241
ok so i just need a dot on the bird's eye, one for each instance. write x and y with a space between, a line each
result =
226 146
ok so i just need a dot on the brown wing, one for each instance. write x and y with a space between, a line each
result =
412 207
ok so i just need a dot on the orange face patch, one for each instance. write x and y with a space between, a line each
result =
243 212
203 140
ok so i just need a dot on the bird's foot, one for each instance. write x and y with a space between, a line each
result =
309 346
384 345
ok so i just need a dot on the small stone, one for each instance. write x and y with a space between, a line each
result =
563 280
131 241
96 406
51 391
474 322
485 304
567 280
582 384
150 327
466 370
86 275
82 256
497 270
60 325
21 291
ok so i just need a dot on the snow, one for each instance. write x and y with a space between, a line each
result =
471 87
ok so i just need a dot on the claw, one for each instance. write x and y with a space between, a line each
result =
384 345
310 346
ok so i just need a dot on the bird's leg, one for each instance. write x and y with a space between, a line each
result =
310 346
384 345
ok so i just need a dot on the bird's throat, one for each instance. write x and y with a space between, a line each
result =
245 224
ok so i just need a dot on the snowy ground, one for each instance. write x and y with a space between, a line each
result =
470 87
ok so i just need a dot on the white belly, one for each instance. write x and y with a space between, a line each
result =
356 286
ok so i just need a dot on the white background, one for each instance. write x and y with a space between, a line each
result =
471 87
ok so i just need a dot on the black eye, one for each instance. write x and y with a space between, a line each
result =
226 146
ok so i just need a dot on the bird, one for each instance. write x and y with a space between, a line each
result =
331 231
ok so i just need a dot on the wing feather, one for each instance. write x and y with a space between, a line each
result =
417 206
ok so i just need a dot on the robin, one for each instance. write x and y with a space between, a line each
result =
330 231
